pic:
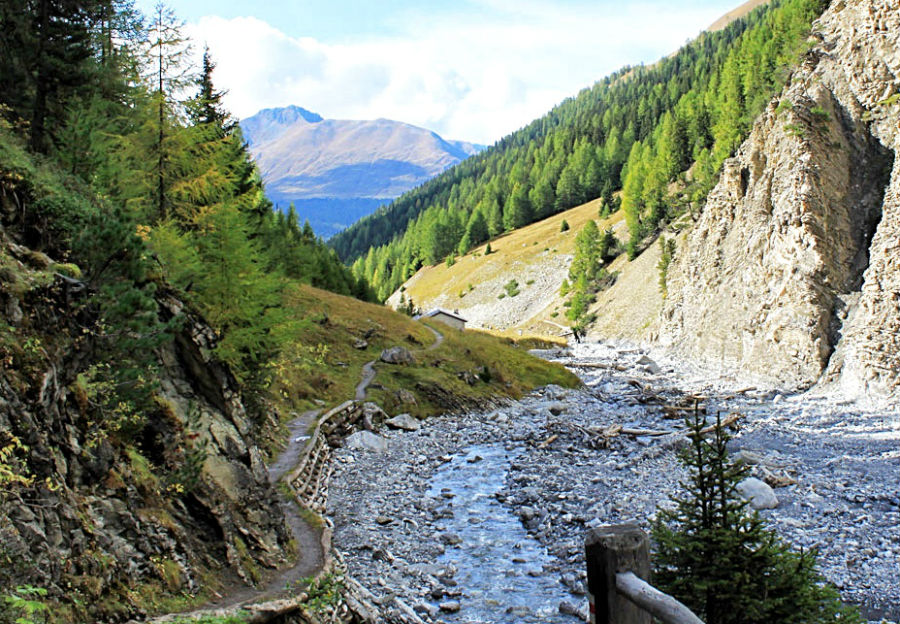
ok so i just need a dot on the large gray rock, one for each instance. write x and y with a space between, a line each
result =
403 421
757 493
366 441
397 355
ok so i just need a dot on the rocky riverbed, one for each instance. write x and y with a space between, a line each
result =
415 534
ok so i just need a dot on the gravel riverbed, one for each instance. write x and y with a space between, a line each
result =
835 465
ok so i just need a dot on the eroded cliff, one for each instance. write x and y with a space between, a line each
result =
792 269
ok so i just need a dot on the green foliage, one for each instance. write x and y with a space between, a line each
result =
26 603
637 131
323 593
721 561
13 471
795 130
784 105
511 288
587 274
819 115
667 253
564 226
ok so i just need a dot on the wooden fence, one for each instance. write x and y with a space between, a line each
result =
618 564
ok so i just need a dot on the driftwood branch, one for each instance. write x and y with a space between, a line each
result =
645 432
658 604
726 422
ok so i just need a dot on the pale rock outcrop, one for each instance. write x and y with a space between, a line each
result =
793 268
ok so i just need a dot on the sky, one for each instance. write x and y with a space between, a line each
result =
472 70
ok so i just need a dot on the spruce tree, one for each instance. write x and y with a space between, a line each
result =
721 561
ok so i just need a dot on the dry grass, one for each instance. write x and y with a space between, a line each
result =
539 249
735 14
524 246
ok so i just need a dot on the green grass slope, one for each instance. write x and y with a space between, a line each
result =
324 365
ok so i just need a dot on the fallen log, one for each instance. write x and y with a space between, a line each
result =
548 441
645 432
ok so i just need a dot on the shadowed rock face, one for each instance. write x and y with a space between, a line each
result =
793 267
114 512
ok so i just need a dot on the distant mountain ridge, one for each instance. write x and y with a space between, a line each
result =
336 171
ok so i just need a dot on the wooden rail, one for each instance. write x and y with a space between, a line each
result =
618 562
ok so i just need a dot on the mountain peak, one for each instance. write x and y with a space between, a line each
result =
336 171
288 115
271 122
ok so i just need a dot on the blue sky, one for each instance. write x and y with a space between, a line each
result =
470 69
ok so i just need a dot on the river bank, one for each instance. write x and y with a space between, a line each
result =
838 466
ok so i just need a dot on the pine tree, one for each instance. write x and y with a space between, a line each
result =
568 190
721 561
494 217
170 49
517 212
206 107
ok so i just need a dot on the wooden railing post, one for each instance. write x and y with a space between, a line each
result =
609 550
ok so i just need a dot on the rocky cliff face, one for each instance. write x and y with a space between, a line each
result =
793 269
115 522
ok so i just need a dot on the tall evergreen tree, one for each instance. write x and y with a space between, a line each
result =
169 49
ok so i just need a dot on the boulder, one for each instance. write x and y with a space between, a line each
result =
405 397
557 408
649 365
757 493
397 355
366 441
360 344
403 421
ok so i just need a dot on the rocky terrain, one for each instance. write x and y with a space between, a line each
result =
792 269
119 526
834 467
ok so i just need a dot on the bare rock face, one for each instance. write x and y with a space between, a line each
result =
793 268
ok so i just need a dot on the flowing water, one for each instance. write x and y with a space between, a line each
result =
500 567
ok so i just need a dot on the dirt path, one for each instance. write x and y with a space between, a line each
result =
438 338
307 537
297 437
369 372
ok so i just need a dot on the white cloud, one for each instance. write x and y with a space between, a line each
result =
473 77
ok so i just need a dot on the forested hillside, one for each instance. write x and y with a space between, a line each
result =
635 131
112 99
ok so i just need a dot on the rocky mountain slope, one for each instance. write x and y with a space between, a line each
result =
336 171
120 526
791 271
790 275
131 480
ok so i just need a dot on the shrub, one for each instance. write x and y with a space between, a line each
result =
564 226
667 247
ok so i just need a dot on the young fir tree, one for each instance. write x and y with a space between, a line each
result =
721 561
